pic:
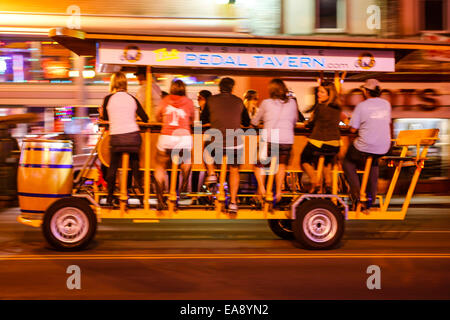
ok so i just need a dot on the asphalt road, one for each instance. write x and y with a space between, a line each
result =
224 260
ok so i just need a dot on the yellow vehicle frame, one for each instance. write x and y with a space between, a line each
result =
421 139
82 42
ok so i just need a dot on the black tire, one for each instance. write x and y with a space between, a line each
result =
282 228
319 224
74 213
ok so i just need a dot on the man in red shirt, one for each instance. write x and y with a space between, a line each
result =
176 111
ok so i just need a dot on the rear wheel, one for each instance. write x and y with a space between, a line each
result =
282 228
319 224
69 224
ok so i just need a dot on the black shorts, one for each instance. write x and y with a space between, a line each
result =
359 158
126 142
311 154
281 151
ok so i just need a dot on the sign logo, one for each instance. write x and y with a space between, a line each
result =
366 60
164 55
132 53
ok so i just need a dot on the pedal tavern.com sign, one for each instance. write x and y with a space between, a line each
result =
235 57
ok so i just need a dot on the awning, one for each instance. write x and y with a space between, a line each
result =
243 54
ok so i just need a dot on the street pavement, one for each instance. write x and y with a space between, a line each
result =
232 260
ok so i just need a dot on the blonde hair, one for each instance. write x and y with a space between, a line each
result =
249 95
118 82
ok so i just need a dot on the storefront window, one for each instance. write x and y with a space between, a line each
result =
44 62
433 14
327 14
34 61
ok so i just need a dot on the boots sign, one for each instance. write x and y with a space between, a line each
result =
428 102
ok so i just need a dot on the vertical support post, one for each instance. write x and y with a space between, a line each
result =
173 184
320 78
335 173
147 157
320 170
148 94
223 176
147 137
337 81
222 179
365 179
415 178
394 179
123 182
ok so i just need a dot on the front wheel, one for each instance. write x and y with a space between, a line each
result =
69 224
319 224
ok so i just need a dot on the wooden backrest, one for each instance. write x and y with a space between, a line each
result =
424 137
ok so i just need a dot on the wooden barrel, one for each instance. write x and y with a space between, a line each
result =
45 174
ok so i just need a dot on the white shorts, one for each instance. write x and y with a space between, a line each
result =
166 142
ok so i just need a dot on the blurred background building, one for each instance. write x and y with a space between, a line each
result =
40 76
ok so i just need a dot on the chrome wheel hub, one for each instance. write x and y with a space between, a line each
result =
320 225
69 225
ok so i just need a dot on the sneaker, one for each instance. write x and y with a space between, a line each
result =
233 208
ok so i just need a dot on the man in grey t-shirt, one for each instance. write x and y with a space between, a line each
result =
372 119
